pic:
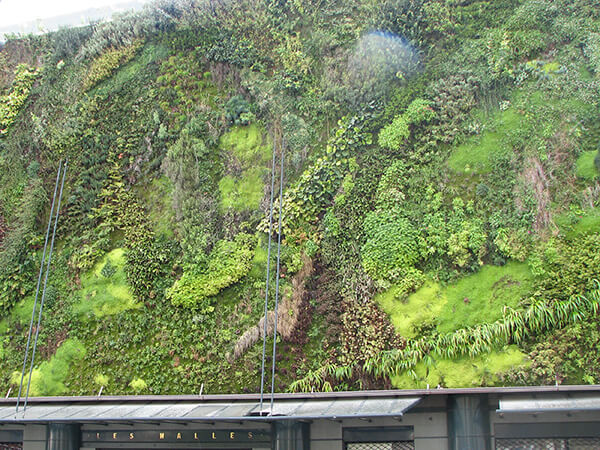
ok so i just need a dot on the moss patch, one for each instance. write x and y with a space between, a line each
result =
248 153
158 197
104 288
480 297
474 299
463 372
585 167
575 223
422 307
474 155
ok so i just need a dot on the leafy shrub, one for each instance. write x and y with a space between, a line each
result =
238 111
394 134
453 98
228 263
592 51
101 380
392 246
566 267
514 244
419 111
458 234
317 185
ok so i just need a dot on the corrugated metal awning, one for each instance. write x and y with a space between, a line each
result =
209 411
549 403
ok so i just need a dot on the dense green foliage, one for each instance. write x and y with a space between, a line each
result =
440 213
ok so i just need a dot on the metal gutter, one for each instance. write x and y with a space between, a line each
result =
308 396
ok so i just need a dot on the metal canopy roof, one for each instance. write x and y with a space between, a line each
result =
209 411
550 403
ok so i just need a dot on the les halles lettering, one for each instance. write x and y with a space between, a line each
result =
178 436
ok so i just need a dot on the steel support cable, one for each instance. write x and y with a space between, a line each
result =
264 350
37 288
277 277
37 331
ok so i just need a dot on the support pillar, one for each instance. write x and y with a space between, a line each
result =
291 435
468 422
62 436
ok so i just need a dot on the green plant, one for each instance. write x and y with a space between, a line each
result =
228 262
315 188
11 104
394 135
105 290
50 377
392 246
587 165
138 385
515 326
104 65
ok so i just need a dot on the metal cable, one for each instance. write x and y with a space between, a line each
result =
277 279
264 350
37 289
37 331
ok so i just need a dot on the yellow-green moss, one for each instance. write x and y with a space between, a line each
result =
248 149
424 306
50 377
585 166
103 295
463 372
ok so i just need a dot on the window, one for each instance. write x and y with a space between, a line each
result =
379 438
548 444
398 445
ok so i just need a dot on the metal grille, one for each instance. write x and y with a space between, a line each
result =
11 446
400 445
548 444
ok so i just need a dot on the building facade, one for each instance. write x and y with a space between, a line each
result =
560 417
